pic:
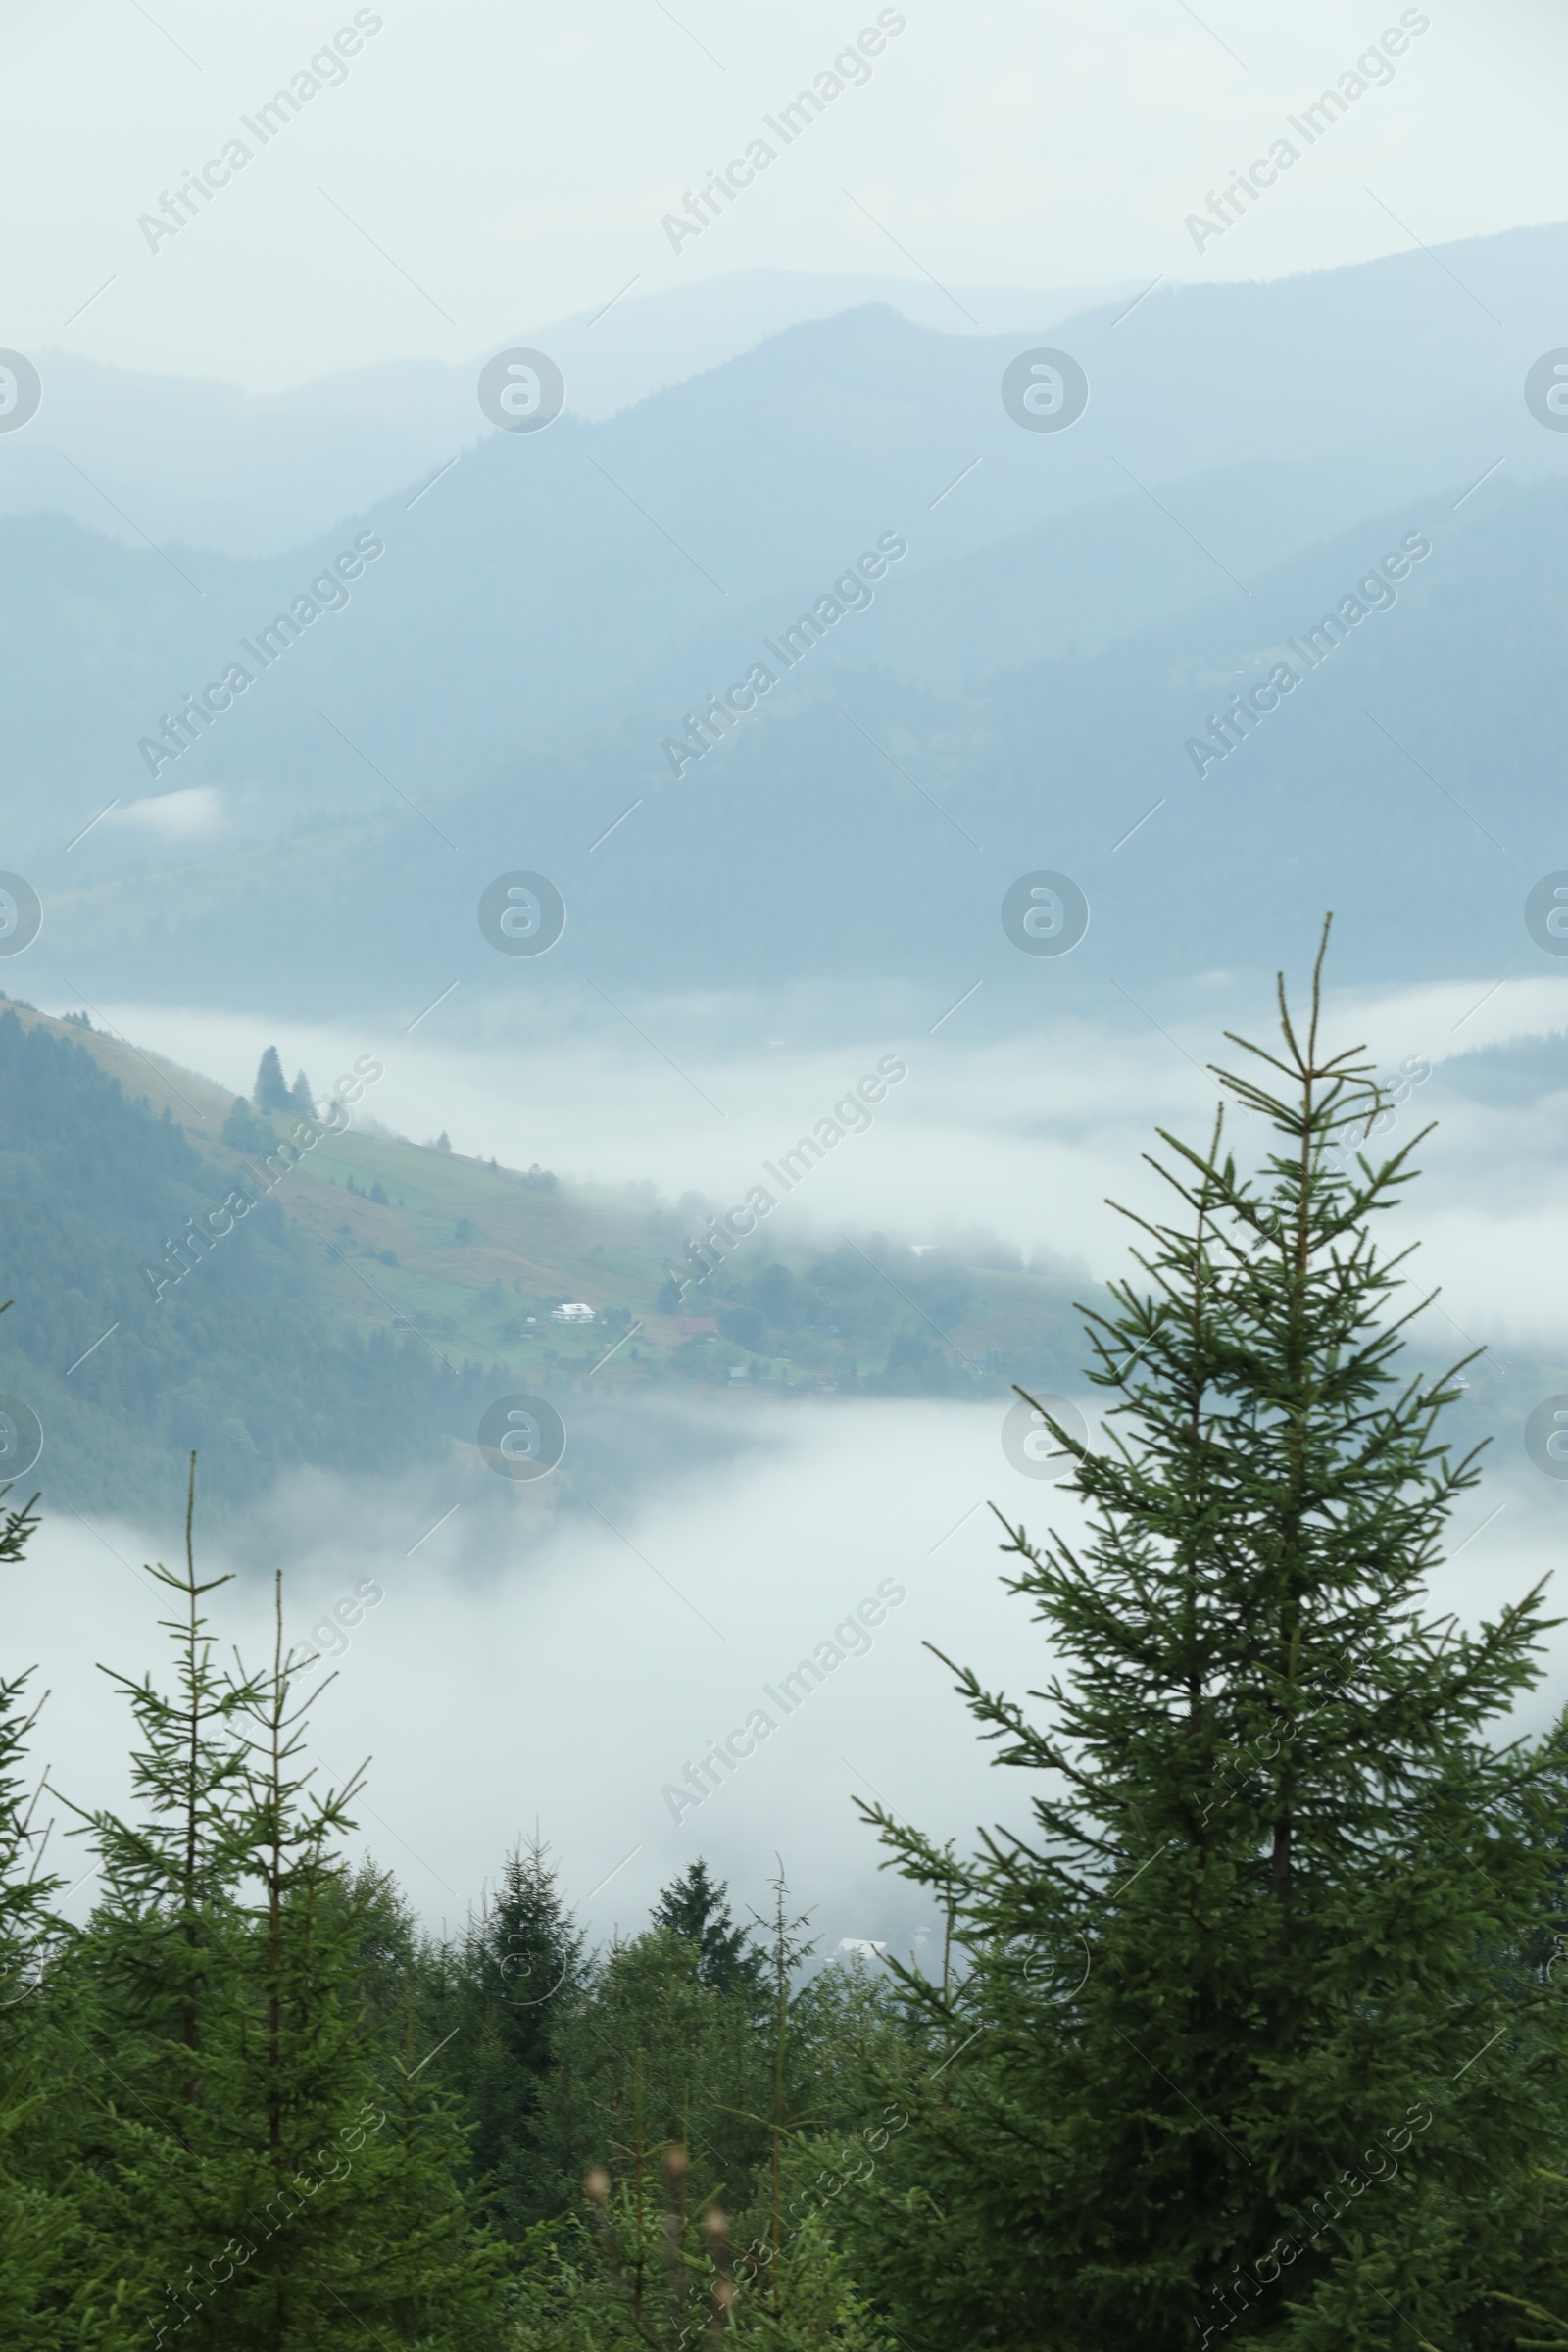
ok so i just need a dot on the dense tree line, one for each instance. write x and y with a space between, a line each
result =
251 2103
1247 2030
879 1319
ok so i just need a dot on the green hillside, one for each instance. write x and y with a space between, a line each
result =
373 1295
243 1360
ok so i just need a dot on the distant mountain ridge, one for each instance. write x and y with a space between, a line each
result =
258 473
497 690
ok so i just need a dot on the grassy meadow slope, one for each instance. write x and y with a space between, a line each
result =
382 1292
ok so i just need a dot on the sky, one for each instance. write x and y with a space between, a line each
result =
482 169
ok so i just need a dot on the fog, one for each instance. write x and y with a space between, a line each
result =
553 1661
1024 1134
509 1678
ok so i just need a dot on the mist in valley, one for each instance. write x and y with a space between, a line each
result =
557 1653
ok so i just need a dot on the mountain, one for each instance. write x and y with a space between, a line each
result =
251 1368
524 638
254 474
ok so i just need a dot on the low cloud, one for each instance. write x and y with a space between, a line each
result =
489 1633
188 816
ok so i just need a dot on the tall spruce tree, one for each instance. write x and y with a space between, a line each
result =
1238 2035
503 1990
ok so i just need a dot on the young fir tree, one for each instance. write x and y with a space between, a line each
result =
648 2058
161 1935
278 2179
1239 2038
791 2109
25 1892
332 2165
666 2262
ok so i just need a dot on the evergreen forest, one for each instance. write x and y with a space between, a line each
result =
1244 2025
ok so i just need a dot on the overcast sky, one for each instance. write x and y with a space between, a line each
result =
482 167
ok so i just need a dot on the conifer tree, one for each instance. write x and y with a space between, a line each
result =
243 1131
1236 2037
335 2164
270 1091
652 2057
786 2112
41 2238
24 1891
506 1987
158 1966
279 2178
171 1877
694 1905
